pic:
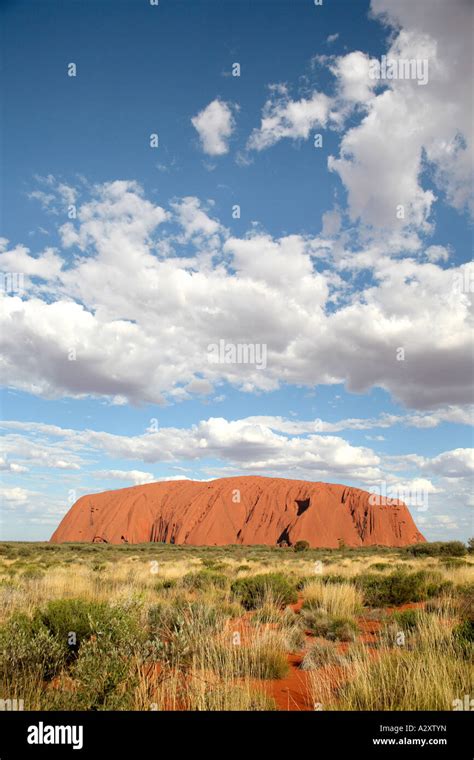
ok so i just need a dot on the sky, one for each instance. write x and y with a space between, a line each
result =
235 242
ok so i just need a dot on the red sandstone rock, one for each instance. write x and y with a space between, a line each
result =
242 510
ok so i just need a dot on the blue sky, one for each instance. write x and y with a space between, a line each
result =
132 263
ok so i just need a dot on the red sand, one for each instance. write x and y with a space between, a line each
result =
291 693
241 510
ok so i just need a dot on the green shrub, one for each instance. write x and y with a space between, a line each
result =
302 581
453 548
314 620
253 590
334 628
407 619
32 573
165 583
437 549
454 562
213 564
342 629
326 579
26 646
400 587
301 546
84 619
103 676
464 633
205 579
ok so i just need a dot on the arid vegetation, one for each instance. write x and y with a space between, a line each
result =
159 627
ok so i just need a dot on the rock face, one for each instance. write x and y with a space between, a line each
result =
241 510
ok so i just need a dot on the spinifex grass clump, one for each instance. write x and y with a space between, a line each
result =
423 670
319 623
337 599
405 680
321 654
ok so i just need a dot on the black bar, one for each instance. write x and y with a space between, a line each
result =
135 734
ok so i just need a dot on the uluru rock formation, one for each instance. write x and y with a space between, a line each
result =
240 510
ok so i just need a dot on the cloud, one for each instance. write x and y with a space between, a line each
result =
46 266
215 125
244 444
401 128
12 467
286 118
135 477
458 463
267 444
354 84
407 127
13 497
437 253
131 315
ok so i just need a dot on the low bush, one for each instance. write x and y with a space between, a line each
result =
301 546
27 647
438 549
334 628
453 563
252 591
103 678
74 621
342 629
165 583
332 579
294 638
205 579
32 573
406 619
463 633
400 587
